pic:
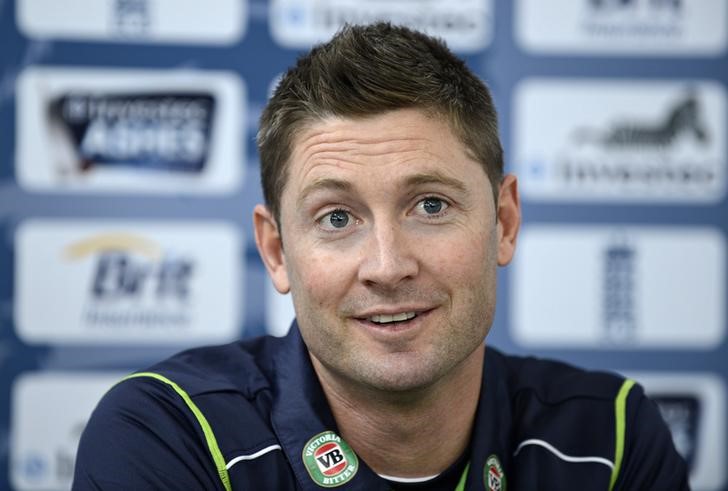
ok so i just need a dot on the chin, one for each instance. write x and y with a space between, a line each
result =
401 375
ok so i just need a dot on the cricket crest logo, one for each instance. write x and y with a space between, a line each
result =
329 460
495 478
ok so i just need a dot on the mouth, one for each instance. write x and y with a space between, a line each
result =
390 318
392 321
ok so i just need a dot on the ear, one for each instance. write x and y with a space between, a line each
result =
270 247
509 219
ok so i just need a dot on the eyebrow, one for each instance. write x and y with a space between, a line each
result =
324 184
435 177
331 184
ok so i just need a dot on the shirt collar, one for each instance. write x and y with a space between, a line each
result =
491 440
301 411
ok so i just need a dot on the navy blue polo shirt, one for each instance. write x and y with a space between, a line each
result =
252 415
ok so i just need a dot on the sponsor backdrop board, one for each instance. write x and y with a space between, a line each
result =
128 173
181 127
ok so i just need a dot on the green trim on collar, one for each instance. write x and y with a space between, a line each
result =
620 410
463 478
217 457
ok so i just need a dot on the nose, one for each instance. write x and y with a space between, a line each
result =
388 257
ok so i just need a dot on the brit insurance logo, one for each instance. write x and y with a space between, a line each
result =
148 21
607 286
150 282
694 407
619 141
466 25
329 460
625 27
129 131
48 412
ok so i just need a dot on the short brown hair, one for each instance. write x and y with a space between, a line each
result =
368 70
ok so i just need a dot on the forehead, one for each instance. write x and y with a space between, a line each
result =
391 142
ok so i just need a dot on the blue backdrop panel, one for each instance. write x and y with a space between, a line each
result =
128 174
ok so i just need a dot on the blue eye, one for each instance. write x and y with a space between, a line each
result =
339 218
431 207
336 219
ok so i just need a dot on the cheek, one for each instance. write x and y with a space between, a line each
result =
465 259
318 277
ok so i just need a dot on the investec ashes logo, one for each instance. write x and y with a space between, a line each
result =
162 131
329 460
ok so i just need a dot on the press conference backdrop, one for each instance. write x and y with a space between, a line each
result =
128 172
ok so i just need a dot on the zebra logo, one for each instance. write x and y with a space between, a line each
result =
683 118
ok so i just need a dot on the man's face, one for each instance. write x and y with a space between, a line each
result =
390 247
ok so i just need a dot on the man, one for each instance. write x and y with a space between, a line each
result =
386 216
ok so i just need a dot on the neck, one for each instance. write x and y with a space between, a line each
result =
409 434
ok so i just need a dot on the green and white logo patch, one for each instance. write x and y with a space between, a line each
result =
494 477
329 460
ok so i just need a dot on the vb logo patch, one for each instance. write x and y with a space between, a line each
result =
495 478
329 460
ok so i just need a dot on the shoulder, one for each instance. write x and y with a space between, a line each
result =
567 418
244 367
554 382
211 401
553 398
556 405
235 377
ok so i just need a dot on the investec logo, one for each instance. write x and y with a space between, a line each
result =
329 460
466 25
636 17
148 21
165 131
621 141
49 411
149 131
625 27
92 281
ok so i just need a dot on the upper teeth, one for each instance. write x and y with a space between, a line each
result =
385 318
